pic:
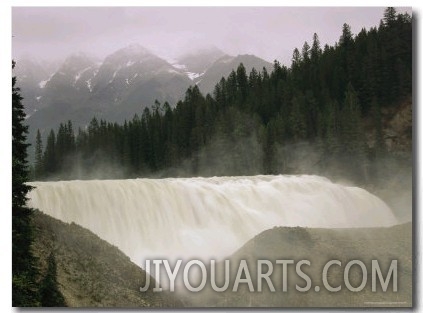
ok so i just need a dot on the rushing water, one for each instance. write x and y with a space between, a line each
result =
204 217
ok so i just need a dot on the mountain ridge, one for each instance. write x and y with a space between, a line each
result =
124 83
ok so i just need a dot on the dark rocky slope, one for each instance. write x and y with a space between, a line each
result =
90 271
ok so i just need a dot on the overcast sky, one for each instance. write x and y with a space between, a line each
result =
268 32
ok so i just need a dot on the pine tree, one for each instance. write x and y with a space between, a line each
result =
305 51
60 148
389 16
297 120
24 291
39 166
315 48
346 37
70 138
242 82
296 58
50 159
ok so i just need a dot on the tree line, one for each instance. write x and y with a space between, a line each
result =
257 122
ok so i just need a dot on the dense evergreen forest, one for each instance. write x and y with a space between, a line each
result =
258 122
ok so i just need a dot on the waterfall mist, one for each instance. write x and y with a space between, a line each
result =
204 217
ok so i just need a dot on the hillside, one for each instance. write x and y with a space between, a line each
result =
90 271
319 246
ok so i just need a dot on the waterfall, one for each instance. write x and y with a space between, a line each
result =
204 217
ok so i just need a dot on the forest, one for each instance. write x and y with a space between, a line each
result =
312 112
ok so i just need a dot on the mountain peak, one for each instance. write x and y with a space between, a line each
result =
134 49
130 55
76 62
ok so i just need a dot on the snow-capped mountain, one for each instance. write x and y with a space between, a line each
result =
124 83
134 76
30 73
69 85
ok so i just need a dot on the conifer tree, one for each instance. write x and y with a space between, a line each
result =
24 291
39 166
50 158
389 16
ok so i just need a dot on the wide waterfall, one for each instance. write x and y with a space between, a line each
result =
204 217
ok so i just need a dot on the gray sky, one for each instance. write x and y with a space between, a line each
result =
268 32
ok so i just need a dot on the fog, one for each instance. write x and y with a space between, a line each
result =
271 33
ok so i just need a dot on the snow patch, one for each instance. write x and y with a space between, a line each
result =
114 74
43 83
78 75
130 63
193 76
27 116
38 98
179 66
130 80
89 85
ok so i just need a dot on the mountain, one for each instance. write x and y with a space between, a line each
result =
133 78
91 272
124 83
30 75
68 86
223 66
62 94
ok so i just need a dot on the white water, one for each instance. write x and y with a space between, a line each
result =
204 217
